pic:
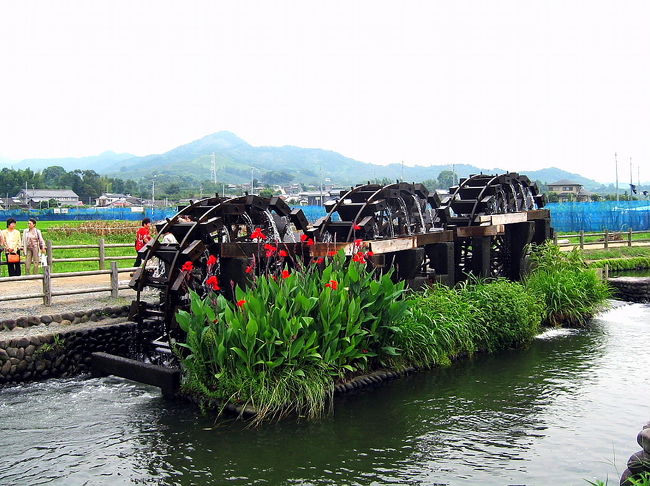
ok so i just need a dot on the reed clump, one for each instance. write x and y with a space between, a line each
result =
571 292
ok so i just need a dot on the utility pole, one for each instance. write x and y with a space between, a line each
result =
252 169
631 181
616 164
153 192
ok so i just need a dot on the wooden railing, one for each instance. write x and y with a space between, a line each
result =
46 277
606 240
101 246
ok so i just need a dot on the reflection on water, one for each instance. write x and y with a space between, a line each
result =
562 411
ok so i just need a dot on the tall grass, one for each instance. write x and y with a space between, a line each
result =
571 292
443 323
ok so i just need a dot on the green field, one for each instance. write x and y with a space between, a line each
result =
56 231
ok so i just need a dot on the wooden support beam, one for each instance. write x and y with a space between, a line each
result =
471 231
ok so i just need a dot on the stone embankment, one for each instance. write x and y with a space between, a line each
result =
34 348
639 462
631 289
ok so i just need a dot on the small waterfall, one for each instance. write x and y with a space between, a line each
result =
416 201
402 205
391 227
248 222
514 196
290 230
274 227
432 215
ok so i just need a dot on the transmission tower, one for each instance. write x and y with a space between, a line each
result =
213 168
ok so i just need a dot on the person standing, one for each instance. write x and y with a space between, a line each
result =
142 237
33 245
2 249
13 245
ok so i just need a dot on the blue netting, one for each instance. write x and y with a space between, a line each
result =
588 216
598 216
80 214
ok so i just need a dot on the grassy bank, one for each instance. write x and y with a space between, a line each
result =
625 258
292 335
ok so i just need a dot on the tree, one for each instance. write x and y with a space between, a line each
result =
447 178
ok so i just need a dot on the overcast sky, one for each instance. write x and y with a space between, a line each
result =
514 84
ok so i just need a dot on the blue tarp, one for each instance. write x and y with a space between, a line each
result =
588 216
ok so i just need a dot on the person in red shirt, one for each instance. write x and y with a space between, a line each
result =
142 237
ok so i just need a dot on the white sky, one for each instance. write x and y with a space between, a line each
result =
515 84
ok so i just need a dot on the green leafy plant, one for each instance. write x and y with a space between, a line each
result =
287 337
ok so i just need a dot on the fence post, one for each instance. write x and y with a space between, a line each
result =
555 238
48 248
115 280
582 239
606 238
606 271
102 263
629 237
47 286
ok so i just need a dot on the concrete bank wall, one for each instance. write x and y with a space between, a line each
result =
631 289
61 353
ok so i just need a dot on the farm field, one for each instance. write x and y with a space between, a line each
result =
86 233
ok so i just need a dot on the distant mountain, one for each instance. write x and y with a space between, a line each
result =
553 174
235 159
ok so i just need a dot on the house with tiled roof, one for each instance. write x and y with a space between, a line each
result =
570 191
34 197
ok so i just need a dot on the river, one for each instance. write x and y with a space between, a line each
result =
562 411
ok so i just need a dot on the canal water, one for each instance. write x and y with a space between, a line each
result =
565 410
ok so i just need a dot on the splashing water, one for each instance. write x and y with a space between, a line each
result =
402 205
416 200
274 227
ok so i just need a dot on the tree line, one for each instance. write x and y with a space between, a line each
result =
87 184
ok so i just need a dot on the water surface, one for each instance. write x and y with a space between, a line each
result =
566 409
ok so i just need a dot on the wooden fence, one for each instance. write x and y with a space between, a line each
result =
606 238
47 277
101 256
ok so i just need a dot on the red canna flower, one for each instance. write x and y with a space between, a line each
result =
356 227
358 242
286 274
258 234
212 260
358 257
310 242
283 253
249 269
303 237
364 351
320 260
333 284
213 282
240 303
270 250
370 253
187 267
331 253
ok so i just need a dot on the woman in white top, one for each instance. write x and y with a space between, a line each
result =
34 244
13 245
